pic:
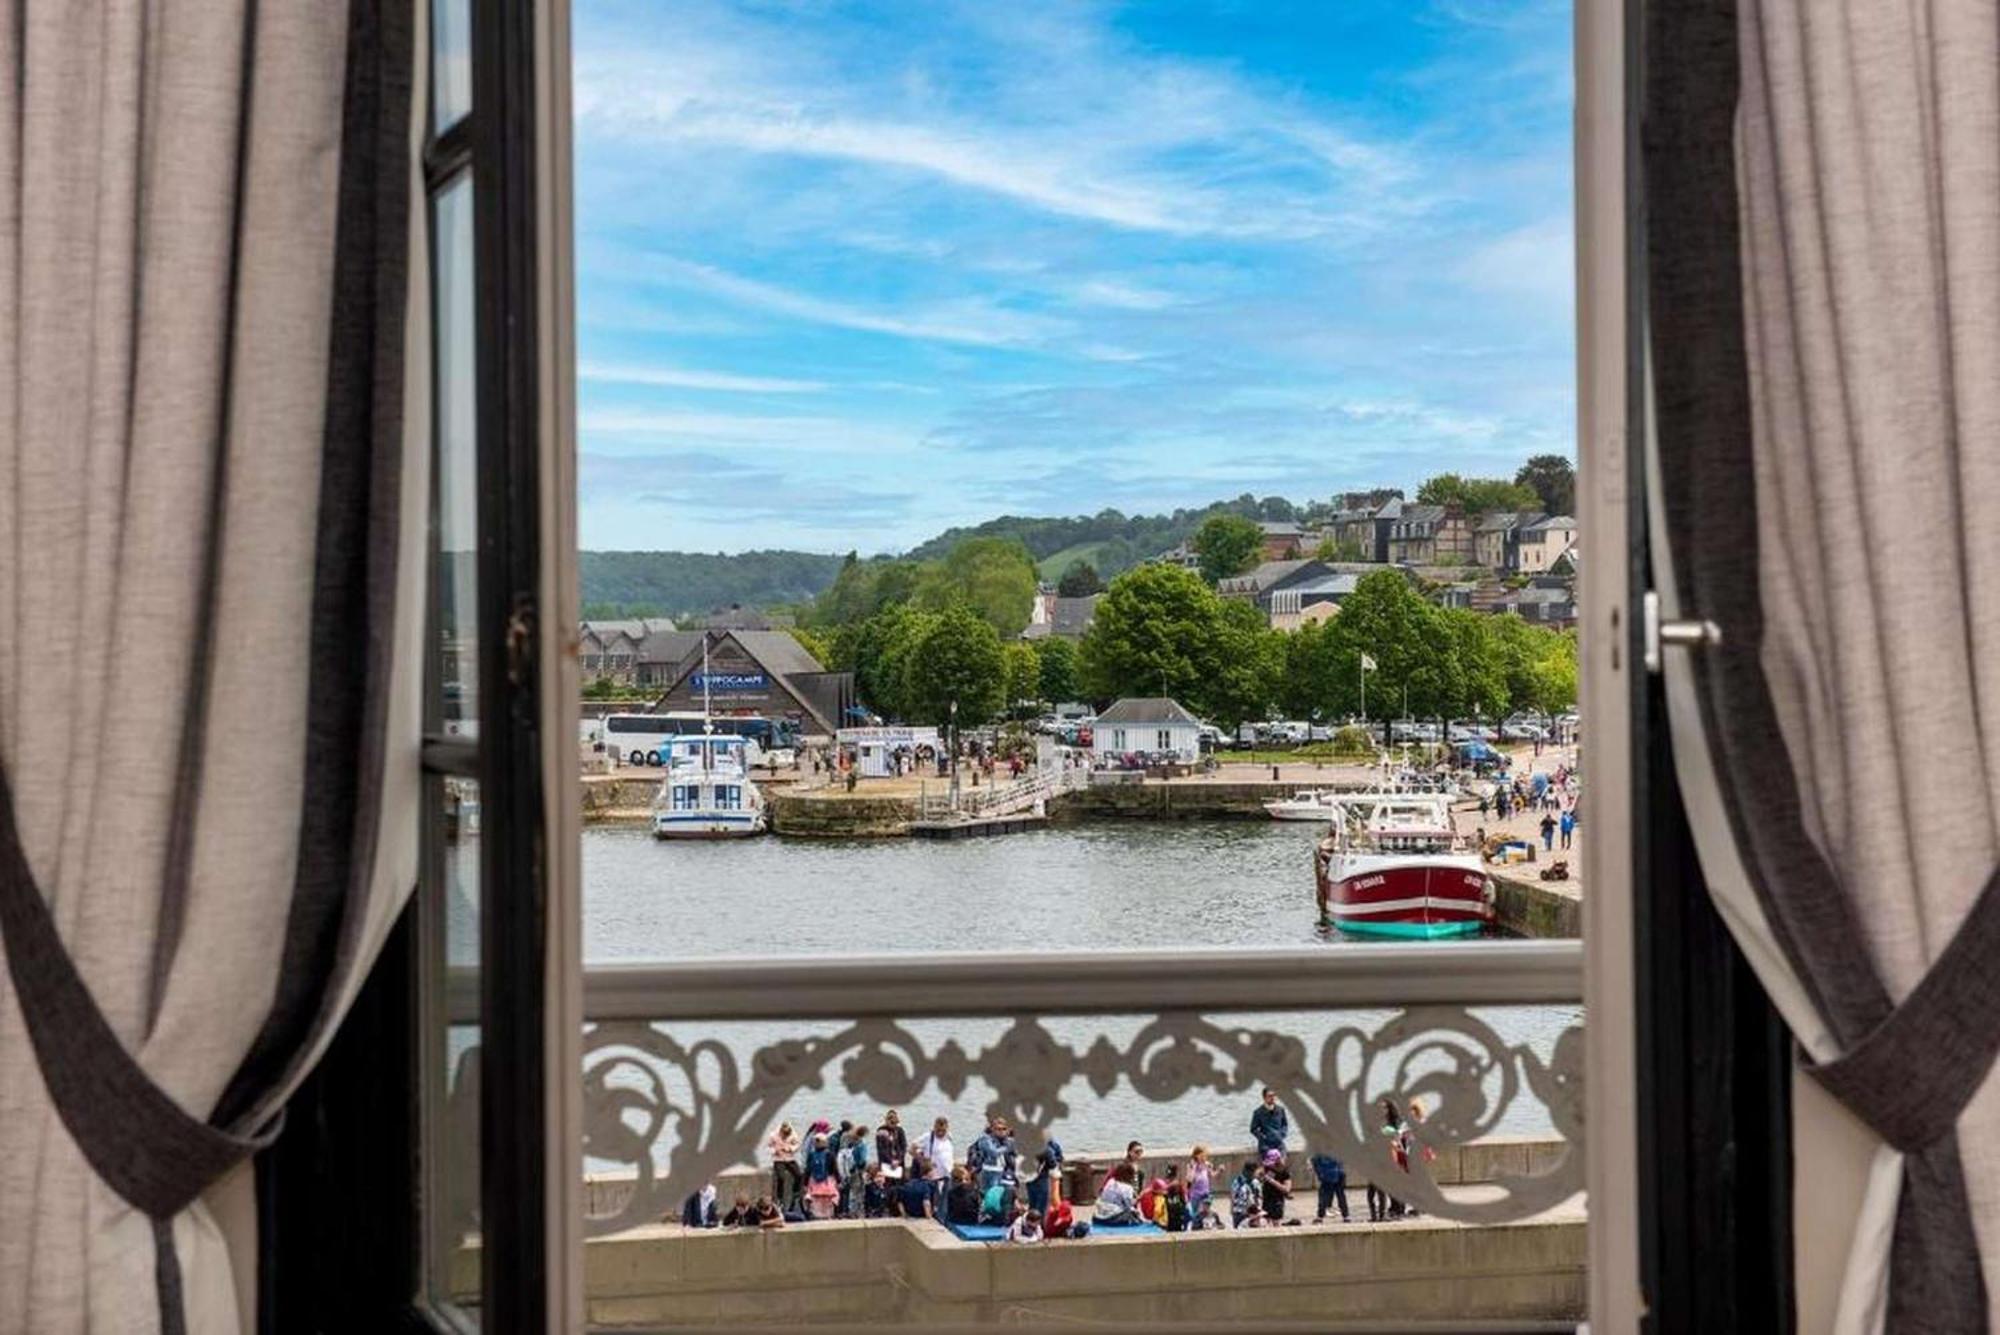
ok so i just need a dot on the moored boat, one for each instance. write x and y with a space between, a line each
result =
1394 865
708 793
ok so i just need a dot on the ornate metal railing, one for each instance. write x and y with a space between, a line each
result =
674 1113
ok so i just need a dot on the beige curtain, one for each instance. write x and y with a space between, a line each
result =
211 514
1824 284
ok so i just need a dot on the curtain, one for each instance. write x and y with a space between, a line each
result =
211 514
1823 249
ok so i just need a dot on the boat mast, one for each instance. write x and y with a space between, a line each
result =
707 723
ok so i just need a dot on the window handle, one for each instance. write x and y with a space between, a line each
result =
1684 633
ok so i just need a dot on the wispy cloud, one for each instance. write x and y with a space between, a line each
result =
679 378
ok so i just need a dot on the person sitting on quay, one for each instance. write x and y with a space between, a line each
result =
698 1210
1246 1193
1277 1185
1174 1212
961 1202
1331 1175
1270 1125
915 1197
1207 1217
875 1194
766 1214
997 1204
1152 1201
740 1214
1118 1202
1026 1227
1059 1221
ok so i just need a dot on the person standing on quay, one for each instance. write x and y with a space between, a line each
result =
1270 1125
993 1156
787 1181
936 1151
1568 828
892 1146
1548 833
1331 1175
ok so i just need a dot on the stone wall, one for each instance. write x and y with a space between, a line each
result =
844 816
1175 801
918 1275
1535 908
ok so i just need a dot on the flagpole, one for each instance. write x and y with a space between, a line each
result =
1364 688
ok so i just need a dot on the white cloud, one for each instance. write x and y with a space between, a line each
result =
1537 262
971 321
678 378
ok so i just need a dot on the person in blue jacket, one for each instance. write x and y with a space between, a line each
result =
1269 1125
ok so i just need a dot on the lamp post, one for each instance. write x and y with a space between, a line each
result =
951 734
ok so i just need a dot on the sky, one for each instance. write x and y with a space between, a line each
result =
852 272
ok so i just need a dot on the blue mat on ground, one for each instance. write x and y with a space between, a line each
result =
998 1232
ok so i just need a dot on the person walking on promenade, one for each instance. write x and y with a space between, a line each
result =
1269 1123
936 1150
892 1146
787 1181
1331 1175
1548 832
1568 827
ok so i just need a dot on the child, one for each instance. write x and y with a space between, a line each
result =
1200 1182
1206 1218
1027 1228
822 1179
766 1214
875 1193
1175 1211
996 1204
1153 1201
1060 1221
961 1202
739 1214
1246 1192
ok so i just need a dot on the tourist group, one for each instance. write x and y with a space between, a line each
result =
853 1171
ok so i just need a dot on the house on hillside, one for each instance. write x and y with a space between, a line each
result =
761 673
1496 539
1147 725
610 648
1181 554
1430 535
1309 602
1544 542
1283 539
1067 617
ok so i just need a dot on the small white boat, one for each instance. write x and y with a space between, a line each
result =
1318 805
708 793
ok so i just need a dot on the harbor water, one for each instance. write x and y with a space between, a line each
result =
1074 889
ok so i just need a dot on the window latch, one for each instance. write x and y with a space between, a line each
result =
1686 634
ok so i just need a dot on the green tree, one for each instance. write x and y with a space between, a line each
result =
1330 550
1024 673
816 642
998 579
955 657
1242 666
1152 634
1079 580
1477 495
1227 545
1412 646
1058 659
1553 479
877 651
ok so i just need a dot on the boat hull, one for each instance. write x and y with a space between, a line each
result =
1406 898
707 825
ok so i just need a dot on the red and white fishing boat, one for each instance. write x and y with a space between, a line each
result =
1394 865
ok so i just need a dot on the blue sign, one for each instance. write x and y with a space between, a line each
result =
722 683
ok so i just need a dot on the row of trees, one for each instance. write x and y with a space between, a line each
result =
1161 630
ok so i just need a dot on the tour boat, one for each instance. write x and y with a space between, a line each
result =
1394 865
1314 805
707 793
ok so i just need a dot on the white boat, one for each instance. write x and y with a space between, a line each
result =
1323 803
708 792
1316 805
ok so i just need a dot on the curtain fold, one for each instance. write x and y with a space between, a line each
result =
1823 193
209 661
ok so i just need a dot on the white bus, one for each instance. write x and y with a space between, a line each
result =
641 739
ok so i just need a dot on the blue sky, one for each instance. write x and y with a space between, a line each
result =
850 273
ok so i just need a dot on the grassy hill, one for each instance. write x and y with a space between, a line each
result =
1052 566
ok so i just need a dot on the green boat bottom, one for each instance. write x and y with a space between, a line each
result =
1409 931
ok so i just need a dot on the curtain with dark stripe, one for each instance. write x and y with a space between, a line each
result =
212 501
1823 252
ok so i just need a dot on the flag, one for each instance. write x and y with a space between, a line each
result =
1367 663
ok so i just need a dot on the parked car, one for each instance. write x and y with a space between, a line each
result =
1523 732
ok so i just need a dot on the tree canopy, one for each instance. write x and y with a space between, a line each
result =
1477 495
1227 545
1552 478
1079 580
956 657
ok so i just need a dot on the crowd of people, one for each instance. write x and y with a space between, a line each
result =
854 1171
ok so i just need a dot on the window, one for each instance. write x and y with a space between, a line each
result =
1163 740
